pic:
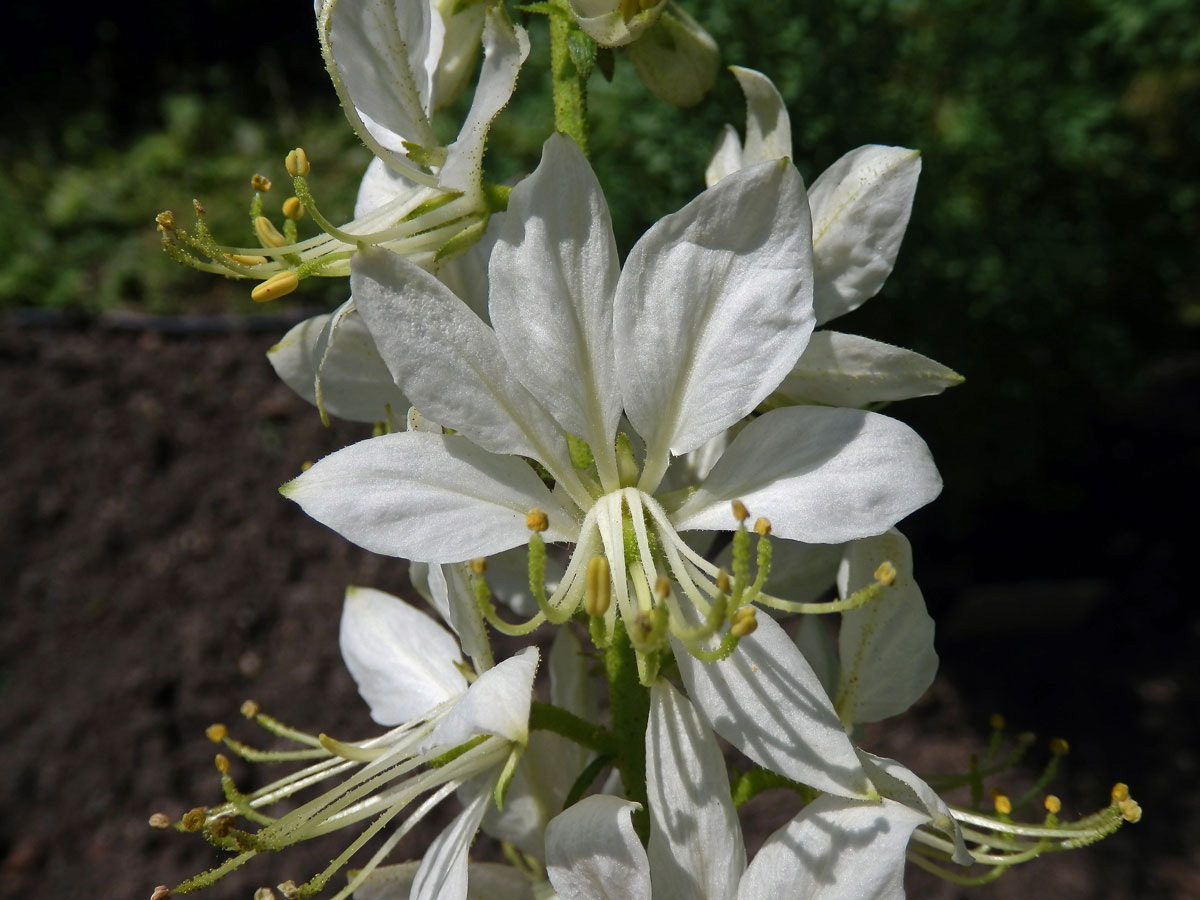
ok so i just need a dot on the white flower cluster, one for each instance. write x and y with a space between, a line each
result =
658 457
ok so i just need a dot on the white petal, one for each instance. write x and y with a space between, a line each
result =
816 643
380 186
768 127
820 475
442 874
454 599
696 850
467 275
847 370
835 849
505 47
485 881
460 49
886 647
402 661
676 59
497 703
383 56
713 307
800 572
428 497
449 362
766 701
897 782
604 22
553 275
508 577
355 383
593 853
860 208
726 158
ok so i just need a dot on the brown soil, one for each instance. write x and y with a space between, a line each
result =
154 579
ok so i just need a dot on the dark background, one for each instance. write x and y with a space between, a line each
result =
155 577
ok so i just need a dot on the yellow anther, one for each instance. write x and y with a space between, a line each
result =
246 260
886 574
536 520
297 163
1053 804
193 819
250 709
293 208
162 892
1059 747
739 511
216 732
306 465
1001 803
1131 811
478 565
597 591
762 526
222 763
745 621
260 183
662 588
278 285
1120 792
201 212
722 581
996 721
159 821
165 220
268 234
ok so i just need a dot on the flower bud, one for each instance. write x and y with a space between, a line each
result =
676 58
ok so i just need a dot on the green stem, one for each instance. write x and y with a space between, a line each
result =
570 97
548 717
750 784
629 705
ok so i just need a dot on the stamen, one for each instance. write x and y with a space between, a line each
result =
744 622
216 732
159 821
250 709
598 589
162 892
536 520
293 208
885 574
278 285
268 234
297 163
739 511
1053 804
762 526
260 183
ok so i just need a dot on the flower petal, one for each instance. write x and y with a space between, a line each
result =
443 872
860 208
847 370
691 813
497 703
835 849
886 647
605 23
450 363
428 497
485 881
505 47
355 383
593 853
897 782
726 158
766 701
768 126
713 309
382 56
402 661
553 274
454 599
820 475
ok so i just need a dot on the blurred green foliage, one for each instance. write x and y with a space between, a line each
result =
1051 257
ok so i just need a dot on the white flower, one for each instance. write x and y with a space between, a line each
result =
834 848
860 210
449 735
614 23
710 310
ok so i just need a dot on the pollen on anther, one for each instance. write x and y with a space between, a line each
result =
260 183
1059 747
762 526
885 574
297 163
536 520
293 208
1001 803
1053 804
250 709
159 821
268 234
745 621
222 763
1131 810
1120 792
739 511
165 220
478 565
597 593
278 285
722 581
216 732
